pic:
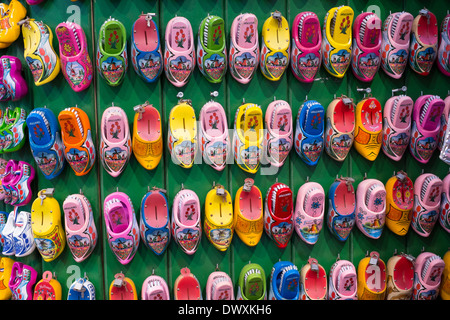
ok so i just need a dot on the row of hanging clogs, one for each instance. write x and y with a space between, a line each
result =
404 277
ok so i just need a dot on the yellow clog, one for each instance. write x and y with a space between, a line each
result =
371 278
368 128
445 282
5 274
48 288
10 16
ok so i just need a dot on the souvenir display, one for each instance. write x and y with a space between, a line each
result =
248 140
214 135
147 140
342 281
278 142
306 52
372 278
427 200
278 214
81 232
251 284
46 145
48 288
154 221
244 47
248 213
395 43
424 42
337 40
368 128
341 208
122 288
443 56
39 54
309 132
212 49
275 46
340 129
399 203
155 288
121 226
400 277
428 269
397 126
186 286
81 289
218 224
146 52
179 54
219 286
76 133
284 281
47 226
112 55
313 281
371 207
309 212
12 14
115 141
366 58
186 224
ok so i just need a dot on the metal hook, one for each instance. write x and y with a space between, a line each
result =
404 88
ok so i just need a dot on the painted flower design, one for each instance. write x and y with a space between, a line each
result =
217 35
213 121
345 24
180 38
115 130
253 123
249 33
282 123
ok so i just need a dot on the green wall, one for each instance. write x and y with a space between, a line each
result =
102 265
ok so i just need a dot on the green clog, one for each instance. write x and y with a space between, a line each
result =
252 283
12 129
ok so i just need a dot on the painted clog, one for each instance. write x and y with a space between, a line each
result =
12 134
428 269
342 281
22 281
155 288
187 286
400 277
252 283
81 289
443 57
284 281
12 14
24 243
372 278
313 281
219 286
122 288
13 80
48 288
444 214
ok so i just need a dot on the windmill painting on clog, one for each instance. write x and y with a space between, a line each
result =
279 134
147 141
248 213
251 283
182 135
424 42
12 14
155 288
400 277
79 149
341 208
211 49
248 140
339 132
366 46
368 128
121 226
39 54
337 40
47 226
444 214
284 281
425 127
278 214
214 136
13 81
115 140
219 222
244 47
76 64
309 132
397 114
428 269
275 46
179 54
443 57
146 53
112 56
12 133
306 54
313 281
342 281
81 232
309 212
45 142
395 43
371 208
371 278
186 224
219 286
427 201
187 286
399 203
154 221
